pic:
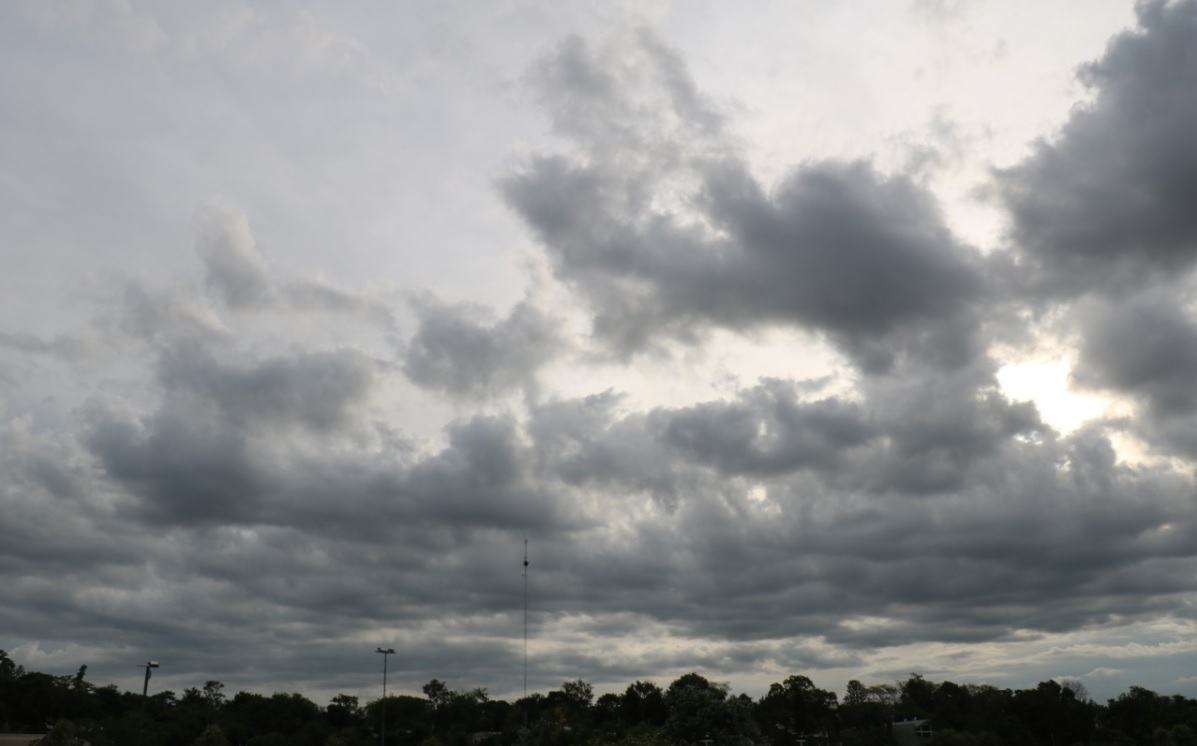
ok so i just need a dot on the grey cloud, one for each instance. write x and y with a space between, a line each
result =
844 250
1144 346
51 504
767 431
254 445
161 316
315 296
235 269
71 347
461 350
914 433
238 276
320 390
680 237
245 495
583 444
940 428
1025 538
183 470
195 459
1046 536
1108 203
610 97
482 478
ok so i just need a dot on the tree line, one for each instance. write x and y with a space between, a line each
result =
690 711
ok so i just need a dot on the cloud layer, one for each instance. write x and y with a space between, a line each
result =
258 473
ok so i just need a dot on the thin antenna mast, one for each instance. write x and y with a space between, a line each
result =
525 616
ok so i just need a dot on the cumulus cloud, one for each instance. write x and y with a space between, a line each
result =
1037 537
1106 204
244 474
461 350
768 430
235 270
160 315
321 390
660 225
1145 346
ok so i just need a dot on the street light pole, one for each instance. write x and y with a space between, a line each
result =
385 652
149 666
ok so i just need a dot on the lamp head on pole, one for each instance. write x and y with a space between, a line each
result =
385 651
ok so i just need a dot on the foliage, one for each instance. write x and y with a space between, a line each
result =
691 711
64 733
643 703
700 710
212 736
797 708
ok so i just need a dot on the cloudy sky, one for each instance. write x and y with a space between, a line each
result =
843 339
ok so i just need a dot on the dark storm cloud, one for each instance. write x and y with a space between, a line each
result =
192 459
837 247
461 350
1145 346
1048 537
939 428
1108 202
185 470
483 478
583 444
767 431
660 226
191 468
232 443
915 432
51 504
1026 535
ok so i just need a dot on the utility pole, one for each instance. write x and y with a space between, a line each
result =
148 666
385 652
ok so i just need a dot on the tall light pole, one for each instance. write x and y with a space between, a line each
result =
148 666
385 652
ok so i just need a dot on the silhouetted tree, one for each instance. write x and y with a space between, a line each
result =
699 709
865 713
917 698
643 702
578 692
796 707
1053 715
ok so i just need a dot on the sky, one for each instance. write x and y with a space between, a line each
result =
847 340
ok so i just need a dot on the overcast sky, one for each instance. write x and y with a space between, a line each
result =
842 339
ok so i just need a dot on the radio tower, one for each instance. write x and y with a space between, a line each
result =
525 617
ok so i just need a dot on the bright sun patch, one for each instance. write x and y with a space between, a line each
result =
1045 382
